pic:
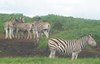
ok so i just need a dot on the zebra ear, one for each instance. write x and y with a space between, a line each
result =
90 35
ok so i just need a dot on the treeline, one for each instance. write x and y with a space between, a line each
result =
68 27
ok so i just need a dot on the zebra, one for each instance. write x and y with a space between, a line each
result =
9 28
21 20
41 27
69 47
22 27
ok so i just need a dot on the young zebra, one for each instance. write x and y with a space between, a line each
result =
68 47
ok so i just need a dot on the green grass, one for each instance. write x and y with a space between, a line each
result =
43 42
46 60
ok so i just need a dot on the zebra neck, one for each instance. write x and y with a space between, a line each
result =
83 43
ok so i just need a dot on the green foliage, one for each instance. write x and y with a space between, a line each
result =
45 60
43 42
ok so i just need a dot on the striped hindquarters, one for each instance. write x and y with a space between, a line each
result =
62 46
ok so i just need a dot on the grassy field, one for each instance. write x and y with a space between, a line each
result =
46 60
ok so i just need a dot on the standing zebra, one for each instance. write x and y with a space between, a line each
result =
22 27
68 47
9 28
41 27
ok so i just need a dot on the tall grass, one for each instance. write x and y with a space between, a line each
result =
45 60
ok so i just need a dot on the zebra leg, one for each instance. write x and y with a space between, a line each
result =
19 34
16 33
76 56
10 35
52 54
29 35
73 55
6 35
37 36
34 33
25 35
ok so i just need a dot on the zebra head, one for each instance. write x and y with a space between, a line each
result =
23 20
91 41
12 20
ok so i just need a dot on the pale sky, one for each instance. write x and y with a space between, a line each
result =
88 9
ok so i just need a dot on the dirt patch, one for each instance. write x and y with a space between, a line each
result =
27 48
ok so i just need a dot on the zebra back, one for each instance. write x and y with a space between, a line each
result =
61 45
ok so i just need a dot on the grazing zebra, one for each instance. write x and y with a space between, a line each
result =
68 47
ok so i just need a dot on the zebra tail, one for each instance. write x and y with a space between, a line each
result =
47 47
31 28
8 28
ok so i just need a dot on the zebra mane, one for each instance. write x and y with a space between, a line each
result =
16 20
85 36
39 20
10 18
83 40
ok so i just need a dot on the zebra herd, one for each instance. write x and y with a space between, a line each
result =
14 26
65 47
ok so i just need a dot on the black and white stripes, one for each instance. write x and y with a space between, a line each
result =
68 47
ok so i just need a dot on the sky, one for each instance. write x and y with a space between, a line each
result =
87 9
